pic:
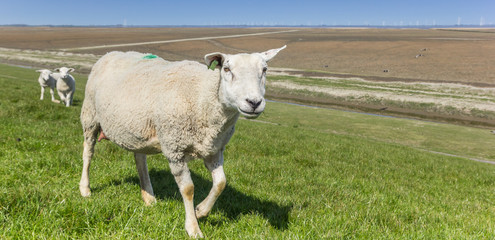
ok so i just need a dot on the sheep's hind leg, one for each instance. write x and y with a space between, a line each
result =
144 179
42 93
90 131
89 148
183 178
215 166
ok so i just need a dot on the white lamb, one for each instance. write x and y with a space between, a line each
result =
181 109
66 84
46 80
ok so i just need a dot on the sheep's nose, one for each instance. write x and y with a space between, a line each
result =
253 103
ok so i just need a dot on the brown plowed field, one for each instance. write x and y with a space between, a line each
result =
454 55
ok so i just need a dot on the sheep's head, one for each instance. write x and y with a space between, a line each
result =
242 80
64 72
44 73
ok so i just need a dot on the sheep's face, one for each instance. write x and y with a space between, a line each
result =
243 83
242 80
64 72
44 73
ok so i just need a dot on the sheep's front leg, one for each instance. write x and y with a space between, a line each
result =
144 179
62 97
68 99
42 93
183 178
70 96
215 166
53 96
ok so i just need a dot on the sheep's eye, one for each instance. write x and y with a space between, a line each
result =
226 69
264 69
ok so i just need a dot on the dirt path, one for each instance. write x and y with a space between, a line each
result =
177 40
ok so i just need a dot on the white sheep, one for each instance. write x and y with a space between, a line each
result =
66 84
46 80
181 109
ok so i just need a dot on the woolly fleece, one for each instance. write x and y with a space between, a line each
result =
138 101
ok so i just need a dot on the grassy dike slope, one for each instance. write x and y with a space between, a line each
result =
295 173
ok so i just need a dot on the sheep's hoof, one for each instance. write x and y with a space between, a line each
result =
197 235
195 232
200 212
148 198
85 191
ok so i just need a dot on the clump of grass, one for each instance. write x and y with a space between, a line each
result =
482 114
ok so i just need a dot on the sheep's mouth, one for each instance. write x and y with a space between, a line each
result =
250 115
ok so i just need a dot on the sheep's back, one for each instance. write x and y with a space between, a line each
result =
132 95
130 70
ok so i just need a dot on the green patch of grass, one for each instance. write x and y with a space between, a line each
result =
440 137
296 173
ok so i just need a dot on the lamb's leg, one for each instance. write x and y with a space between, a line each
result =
144 179
183 178
215 165
62 97
90 131
42 93
68 99
53 96
70 96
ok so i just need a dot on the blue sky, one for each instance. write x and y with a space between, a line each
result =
256 12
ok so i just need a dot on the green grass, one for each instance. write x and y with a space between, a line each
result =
297 173
425 135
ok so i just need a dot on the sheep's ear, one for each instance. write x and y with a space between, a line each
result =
268 55
212 57
71 69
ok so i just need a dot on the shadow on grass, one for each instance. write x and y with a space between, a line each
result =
76 102
232 202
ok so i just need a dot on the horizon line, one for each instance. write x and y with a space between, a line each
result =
254 25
